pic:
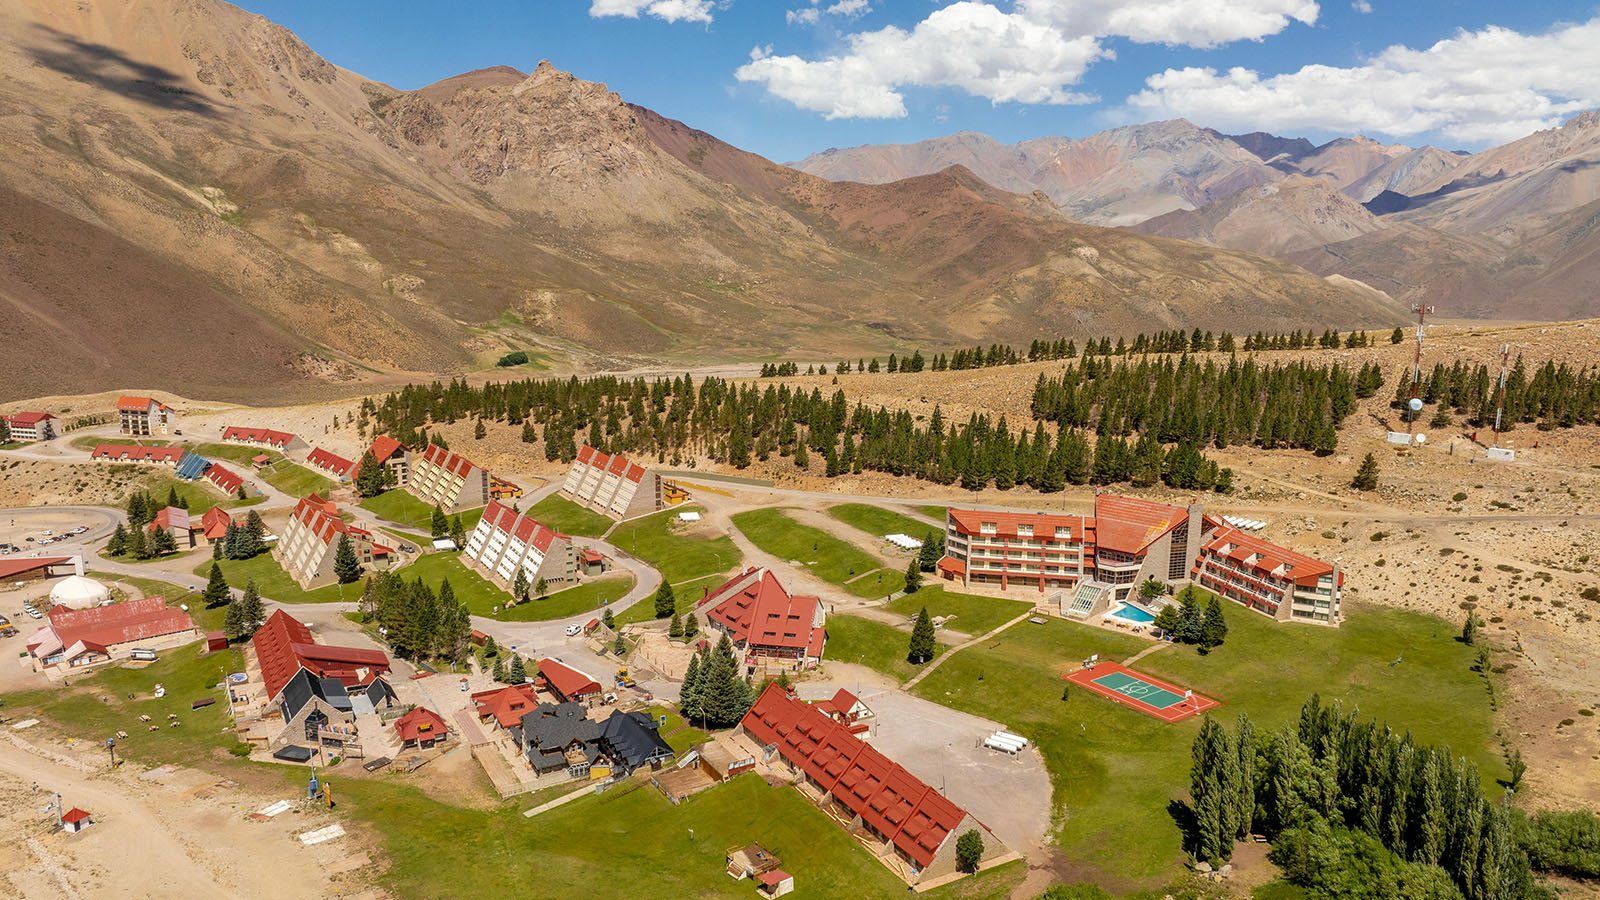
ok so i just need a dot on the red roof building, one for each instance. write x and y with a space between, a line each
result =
143 416
214 524
310 542
566 682
34 568
447 480
258 437
388 452
505 541
1269 579
506 705
330 462
284 645
229 481
761 616
916 821
79 637
422 728
31 426
612 485
176 521
167 456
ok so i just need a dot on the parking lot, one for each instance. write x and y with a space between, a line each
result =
53 531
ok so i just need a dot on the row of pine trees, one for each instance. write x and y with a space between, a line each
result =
418 622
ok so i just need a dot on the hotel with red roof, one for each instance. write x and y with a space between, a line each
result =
391 453
764 620
447 480
166 456
280 441
612 485
505 541
1097 562
144 416
1269 579
311 540
907 824
31 426
283 645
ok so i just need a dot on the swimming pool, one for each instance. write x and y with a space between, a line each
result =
1133 614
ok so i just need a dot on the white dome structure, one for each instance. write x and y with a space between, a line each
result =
79 592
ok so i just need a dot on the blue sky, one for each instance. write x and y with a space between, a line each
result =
836 73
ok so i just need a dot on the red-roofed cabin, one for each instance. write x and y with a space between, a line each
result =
330 463
591 561
390 453
284 645
775 883
75 820
568 683
506 705
421 728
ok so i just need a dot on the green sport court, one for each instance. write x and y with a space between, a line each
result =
1133 686
1148 695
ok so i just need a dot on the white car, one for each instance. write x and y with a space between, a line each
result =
574 630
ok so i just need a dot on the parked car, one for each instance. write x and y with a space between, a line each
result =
574 630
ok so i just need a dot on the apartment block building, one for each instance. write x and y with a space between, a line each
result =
31 426
613 485
281 441
1269 579
391 454
310 542
506 541
447 480
145 416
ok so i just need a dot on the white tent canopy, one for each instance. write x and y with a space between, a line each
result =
79 592
903 541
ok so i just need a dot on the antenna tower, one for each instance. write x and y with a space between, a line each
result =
1500 391
1416 368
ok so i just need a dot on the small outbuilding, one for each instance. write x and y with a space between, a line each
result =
421 728
216 641
75 820
775 883
79 592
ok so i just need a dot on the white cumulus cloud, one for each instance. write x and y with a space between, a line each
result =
1361 6
972 46
1480 86
667 10
1033 52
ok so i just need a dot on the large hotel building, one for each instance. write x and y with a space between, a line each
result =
1096 563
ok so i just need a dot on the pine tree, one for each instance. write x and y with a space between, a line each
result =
440 524
691 626
518 672
1190 617
931 550
118 545
1469 629
1367 475
922 644
500 670
162 543
1214 629
346 567
607 619
913 577
969 850
216 593
172 497
689 693
1212 761
479 431
666 603
620 646
232 625
1245 805
458 531
543 587
675 630
252 612
369 476
1397 335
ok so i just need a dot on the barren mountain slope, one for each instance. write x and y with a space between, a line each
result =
297 222
1404 174
1343 161
1294 214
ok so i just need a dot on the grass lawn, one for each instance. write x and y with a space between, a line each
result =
855 640
97 706
400 507
274 583
567 517
1114 770
295 480
680 741
660 540
828 558
938 511
687 595
878 522
627 843
236 453
200 495
91 441
974 615
570 602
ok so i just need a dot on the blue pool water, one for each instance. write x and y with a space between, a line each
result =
1134 614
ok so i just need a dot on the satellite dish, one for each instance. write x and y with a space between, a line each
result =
1422 439
1415 403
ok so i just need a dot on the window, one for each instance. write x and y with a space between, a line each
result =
1025 530
986 528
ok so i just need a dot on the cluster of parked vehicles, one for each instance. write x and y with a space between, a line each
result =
45 538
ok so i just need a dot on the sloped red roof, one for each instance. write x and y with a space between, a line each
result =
507 704
454 463
137 453
567 681
1130 525
840 703
215 521
1267 558
521 526
74 815
278 439
952 565
384 446
971 521
618 464
10 567
757 609
284 646
329 461
28 418
421 722
119 623
223 478
136 404
916 818
174 517
776 876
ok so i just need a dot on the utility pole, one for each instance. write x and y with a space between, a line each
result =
1500 391
1416 368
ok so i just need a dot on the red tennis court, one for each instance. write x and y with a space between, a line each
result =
1148 695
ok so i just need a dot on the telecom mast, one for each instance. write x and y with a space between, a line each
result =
1500 392
1413 405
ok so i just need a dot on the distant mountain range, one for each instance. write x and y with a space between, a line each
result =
1511 231
195 200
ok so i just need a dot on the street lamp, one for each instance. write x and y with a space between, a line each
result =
111 747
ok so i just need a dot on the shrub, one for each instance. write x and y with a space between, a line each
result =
1459 496
514 358
240 749
1378 535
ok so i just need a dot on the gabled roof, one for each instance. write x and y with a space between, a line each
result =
635 739
27 418
174 517
566 681
617 465
520 526
299 690
328 461
554 726
215 521
1267 558
421 723
278 439
137 453
119 623
1130 525
137 404
384 446
223 478
506 704
758 611
284 646
916 818
74 815
971 521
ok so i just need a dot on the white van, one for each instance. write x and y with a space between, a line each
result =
142 654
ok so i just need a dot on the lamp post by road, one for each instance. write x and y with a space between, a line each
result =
111 747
